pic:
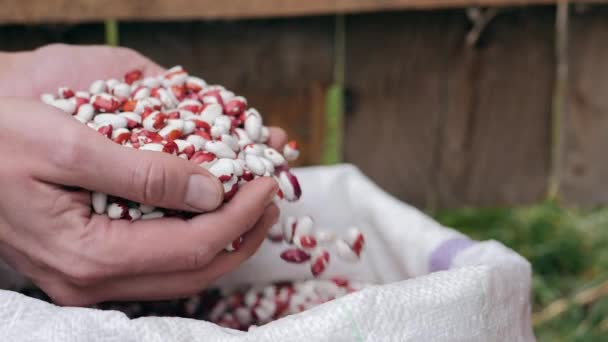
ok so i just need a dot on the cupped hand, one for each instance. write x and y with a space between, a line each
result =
47 229
48 233
31 73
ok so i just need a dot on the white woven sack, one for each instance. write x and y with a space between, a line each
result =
434 284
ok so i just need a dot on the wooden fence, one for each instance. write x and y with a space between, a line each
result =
434 118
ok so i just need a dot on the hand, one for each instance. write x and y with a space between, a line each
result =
31 73
94 259
48 233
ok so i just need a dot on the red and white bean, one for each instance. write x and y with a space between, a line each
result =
208 125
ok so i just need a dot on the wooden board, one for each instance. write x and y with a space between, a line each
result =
585 161
281 66
496 136
36 11
395 71
432 121
439 124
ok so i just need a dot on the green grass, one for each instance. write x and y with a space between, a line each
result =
568 249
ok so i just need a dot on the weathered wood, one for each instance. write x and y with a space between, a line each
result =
395 71
432 121
440 124
36 11
496 137
585 166
281 66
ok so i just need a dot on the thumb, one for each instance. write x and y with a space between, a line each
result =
153 178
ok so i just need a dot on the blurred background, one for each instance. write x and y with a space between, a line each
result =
492 119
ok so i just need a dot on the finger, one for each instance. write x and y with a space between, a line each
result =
238 215
183 284
20 262
120 247
227 262
49 281
89 160
278 138
77 66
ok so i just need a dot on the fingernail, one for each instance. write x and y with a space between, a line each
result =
203 193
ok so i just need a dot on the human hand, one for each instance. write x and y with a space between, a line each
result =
48 232
31 73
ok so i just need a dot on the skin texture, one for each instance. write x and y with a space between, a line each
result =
47 229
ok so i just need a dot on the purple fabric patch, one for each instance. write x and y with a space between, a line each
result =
441 258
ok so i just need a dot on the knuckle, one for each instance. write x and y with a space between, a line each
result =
151 180
197 259
84 274
71 152
65 295
94 258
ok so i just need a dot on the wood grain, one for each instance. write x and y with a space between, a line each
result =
438 123
434 122
585 165
281 66
37 11
496 136
395 66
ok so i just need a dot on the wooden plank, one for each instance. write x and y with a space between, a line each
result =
36 11
496 136
395 65
281 66
585 165
438 124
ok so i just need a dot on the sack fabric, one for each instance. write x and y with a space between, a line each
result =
431 283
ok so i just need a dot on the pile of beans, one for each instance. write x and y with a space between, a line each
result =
241 309
182 115
179 114
258 306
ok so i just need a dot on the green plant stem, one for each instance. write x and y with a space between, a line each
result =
334 106
560 94
112 34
